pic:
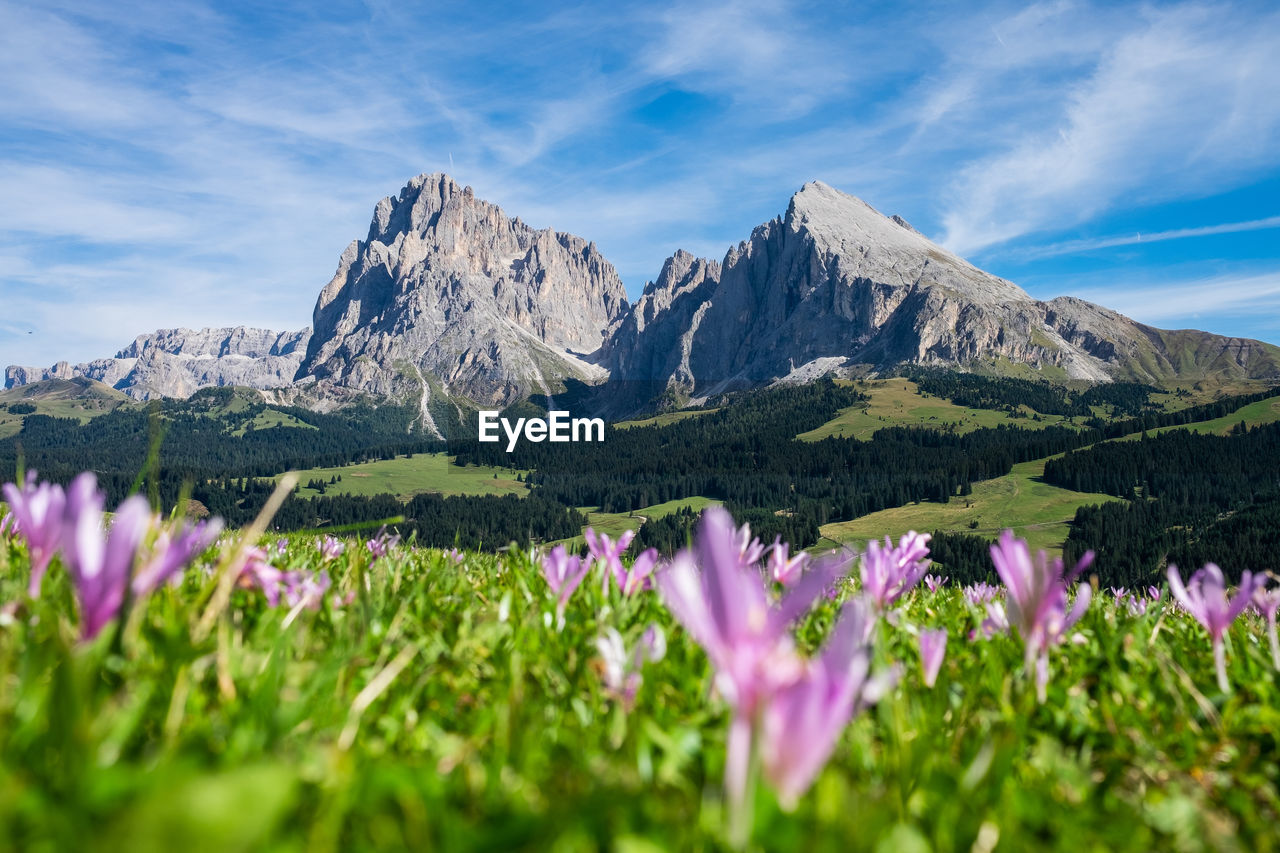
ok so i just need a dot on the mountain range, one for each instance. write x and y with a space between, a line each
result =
447 298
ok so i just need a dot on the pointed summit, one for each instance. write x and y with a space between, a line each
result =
448 295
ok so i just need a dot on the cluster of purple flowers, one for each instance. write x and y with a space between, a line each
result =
382 545
131 558
982 593
281 586
889 571
786 709
1136 601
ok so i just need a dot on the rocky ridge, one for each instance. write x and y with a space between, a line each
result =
835 286
447 295
448 298
178 362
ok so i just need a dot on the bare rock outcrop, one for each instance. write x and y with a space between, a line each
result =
447 295
447 298
179 362
834 286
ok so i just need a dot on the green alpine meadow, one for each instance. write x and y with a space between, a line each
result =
705 426
302 693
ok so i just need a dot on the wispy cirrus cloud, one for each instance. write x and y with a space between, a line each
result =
1185 102
1069 247
1204 298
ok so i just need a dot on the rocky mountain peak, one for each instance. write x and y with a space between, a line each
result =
447 290
179 362
447 296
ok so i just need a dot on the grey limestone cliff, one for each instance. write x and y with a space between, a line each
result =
448 295
179 362
833 285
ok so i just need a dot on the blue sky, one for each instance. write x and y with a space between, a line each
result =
174 163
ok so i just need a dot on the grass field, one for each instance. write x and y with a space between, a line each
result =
269 418
1254 414
1021 500
437 706
665 418
408 476
81 399
616 523
897 402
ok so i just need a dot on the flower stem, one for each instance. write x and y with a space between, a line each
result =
737 772
1220 659
1275 643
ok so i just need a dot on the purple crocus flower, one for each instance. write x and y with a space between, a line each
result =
889 572
455 555
1138 605
1037 600
259 573
307 589
622 678
719 596
981 593
563 573
933 648
608 554
100 563
38 518
173 550
1267 602
933 583
785 569
750 549
1119 592
382 544
803 719
331 548
1205 598
723 604
640 575
997 621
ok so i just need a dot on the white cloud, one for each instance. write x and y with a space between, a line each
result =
1093 244
757 51
1186 103
1191 301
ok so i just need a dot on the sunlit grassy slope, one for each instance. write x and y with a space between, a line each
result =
1036 510
898 402
616 523
71 398
1254 414
269 418
665 418
418 474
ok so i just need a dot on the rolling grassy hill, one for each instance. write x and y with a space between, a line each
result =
898 402
616 523
1254 414
60 398
1021 500
419 474
1036 510
665 418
